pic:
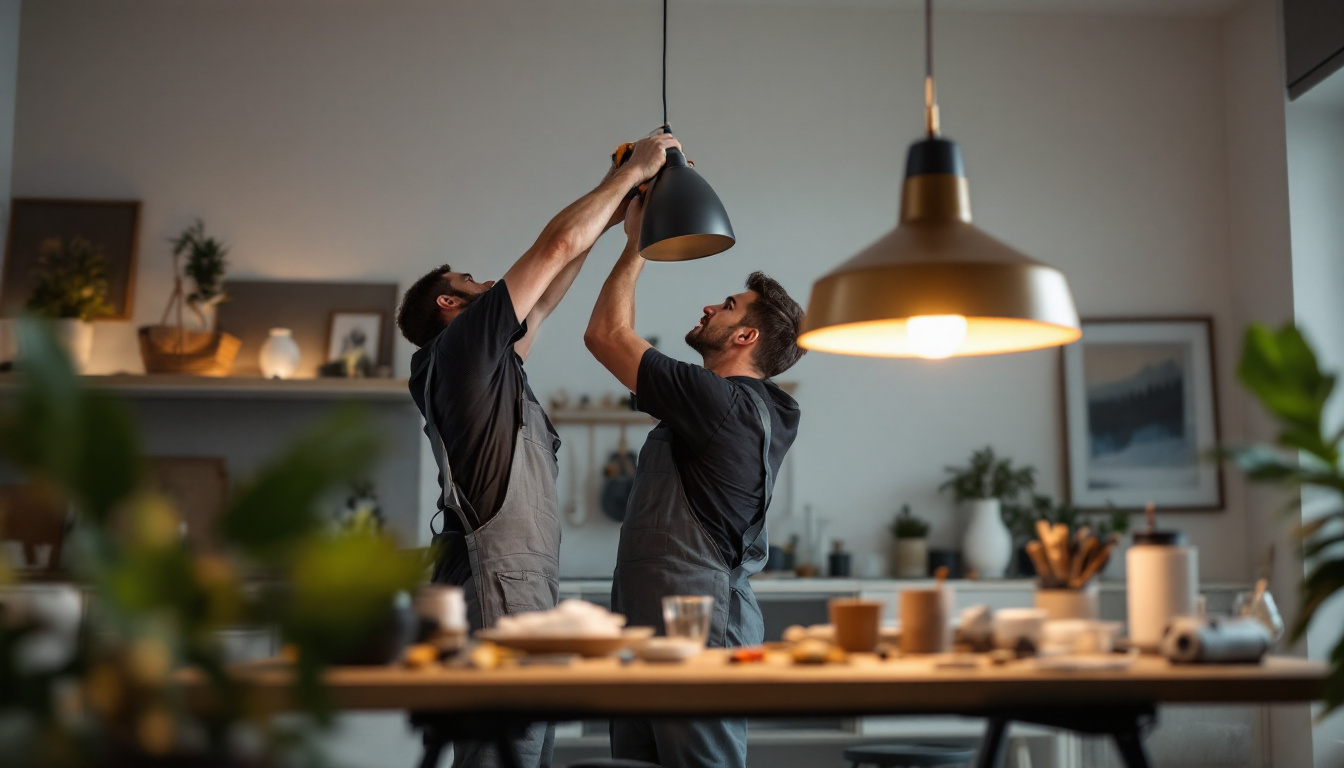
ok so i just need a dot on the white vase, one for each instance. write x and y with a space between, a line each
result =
279 356
987 546
76 338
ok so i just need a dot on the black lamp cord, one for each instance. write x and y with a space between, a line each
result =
666 129
930 93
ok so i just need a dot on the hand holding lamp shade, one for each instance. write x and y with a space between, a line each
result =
683 217
936 286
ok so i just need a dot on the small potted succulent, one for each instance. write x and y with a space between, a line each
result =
912 545
175 348
985 484
70 288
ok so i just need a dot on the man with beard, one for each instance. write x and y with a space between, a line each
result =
495 448
695 522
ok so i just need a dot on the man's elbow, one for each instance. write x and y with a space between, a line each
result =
596 340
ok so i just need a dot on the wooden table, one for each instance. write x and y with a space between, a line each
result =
1115 703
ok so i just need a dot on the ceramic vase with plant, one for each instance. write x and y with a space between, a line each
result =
912 545
1281 370
984 485
70 288
202 350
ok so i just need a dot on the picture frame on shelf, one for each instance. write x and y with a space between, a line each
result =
112 226
353 331
1141 414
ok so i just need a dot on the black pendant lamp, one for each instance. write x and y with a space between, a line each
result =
937 286
683 218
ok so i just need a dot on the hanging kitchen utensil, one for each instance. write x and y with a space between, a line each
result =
620 480
575 514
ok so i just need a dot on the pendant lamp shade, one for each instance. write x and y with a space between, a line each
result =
683 218
936 286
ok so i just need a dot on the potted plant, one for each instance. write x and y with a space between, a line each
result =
70 287
985 484
912 545
175 348
1021 520
110 693
1281 370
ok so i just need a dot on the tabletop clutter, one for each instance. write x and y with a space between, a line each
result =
1062 631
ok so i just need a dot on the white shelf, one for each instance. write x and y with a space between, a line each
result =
175 387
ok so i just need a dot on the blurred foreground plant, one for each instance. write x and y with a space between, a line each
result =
154 607
1281 370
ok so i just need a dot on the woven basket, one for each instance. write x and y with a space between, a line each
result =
169 349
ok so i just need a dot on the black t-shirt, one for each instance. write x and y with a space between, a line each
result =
716 441
477 378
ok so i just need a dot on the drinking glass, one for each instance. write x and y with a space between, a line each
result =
1259 605
688 616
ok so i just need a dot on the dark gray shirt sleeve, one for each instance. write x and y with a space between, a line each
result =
692 400
483 333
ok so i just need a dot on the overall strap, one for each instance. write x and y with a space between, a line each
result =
753 533
451 496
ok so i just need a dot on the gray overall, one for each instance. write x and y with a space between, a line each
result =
514 557
664 550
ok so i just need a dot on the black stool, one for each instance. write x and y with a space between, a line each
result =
610 762
910 756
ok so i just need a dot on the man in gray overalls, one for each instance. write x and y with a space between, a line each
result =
495 448
695 522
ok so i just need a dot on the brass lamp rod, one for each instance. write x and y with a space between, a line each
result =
930 92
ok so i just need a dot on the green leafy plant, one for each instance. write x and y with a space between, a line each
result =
1281 370
157 607
1021 518
205 266
988 477
70 281
907 526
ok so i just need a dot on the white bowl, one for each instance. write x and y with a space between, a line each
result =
1012 625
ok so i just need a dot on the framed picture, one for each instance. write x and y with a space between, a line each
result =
352 331
111 226
1141 413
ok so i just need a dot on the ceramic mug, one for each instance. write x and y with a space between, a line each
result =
856 623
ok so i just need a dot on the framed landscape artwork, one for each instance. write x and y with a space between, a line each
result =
110 225
1141 414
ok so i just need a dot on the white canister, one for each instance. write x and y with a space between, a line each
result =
1162 582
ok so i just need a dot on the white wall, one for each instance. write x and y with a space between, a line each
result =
347 139
1316 193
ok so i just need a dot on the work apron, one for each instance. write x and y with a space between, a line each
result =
665 550
514 557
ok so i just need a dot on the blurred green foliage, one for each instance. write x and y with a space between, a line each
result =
155 607
1281 370
70 280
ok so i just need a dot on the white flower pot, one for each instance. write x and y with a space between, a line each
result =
76 338
987 546
912 558
279 356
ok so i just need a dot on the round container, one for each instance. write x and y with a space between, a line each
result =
856 623
1013 625
924 621
279 355
1162 581
1068 603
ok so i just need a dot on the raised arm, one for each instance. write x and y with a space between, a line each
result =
573 231
611 333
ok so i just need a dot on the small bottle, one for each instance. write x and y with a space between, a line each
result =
839 560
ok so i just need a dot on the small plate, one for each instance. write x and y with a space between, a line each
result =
667 649
584 646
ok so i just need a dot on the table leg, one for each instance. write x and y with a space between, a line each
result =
1129 742
992 747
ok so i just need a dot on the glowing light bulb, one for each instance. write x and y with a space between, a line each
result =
936 336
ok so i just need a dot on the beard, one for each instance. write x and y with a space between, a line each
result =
467 298
707 341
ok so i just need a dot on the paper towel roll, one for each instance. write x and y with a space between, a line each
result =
1162 583
1227 641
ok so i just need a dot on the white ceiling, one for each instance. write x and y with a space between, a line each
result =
1206 8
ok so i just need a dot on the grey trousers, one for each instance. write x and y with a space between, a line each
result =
693 743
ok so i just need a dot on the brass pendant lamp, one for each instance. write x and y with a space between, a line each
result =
683 217
936 286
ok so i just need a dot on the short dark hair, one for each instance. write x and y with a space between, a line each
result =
779 320
418 317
